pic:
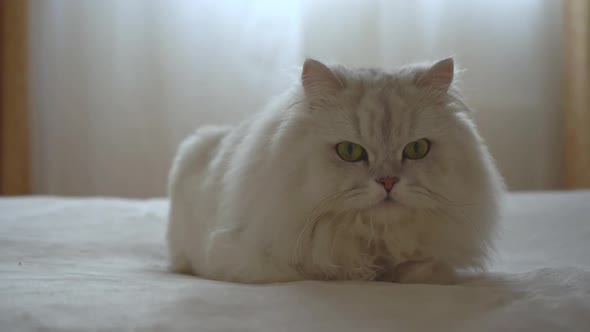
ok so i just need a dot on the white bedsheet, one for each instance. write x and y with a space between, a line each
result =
99 264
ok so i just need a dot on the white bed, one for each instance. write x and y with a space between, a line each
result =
99 264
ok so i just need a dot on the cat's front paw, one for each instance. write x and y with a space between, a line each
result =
424 272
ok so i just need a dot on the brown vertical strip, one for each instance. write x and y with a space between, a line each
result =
577 93
14 115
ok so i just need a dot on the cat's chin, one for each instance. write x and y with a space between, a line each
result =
385 207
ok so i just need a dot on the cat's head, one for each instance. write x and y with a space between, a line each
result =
393 141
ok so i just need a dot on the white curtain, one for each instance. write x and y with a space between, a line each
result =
116 84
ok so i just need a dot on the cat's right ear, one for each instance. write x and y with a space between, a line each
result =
316 78
439 76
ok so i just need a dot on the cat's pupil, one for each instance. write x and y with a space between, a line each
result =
416 147
349 149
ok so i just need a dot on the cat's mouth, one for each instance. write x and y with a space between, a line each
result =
387 201
385 206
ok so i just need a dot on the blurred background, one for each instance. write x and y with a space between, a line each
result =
113 86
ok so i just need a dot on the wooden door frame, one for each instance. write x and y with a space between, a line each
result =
14 109
576 93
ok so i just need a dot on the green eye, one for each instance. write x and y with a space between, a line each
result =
350 152
417 149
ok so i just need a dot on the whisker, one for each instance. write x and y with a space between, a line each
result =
437 197
372 238
333 244
456 211
318 213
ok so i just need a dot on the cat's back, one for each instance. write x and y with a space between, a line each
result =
191 189
195 153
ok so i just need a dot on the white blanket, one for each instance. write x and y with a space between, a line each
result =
99 264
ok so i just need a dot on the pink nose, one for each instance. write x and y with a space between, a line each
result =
388 182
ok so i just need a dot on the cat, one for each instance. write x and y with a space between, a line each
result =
352 174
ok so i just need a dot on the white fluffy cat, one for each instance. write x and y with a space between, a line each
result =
355 174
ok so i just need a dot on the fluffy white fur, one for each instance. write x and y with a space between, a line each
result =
270 200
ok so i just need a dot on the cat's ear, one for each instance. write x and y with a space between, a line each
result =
317 78
439 76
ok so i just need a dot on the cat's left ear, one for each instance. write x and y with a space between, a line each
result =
439 76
